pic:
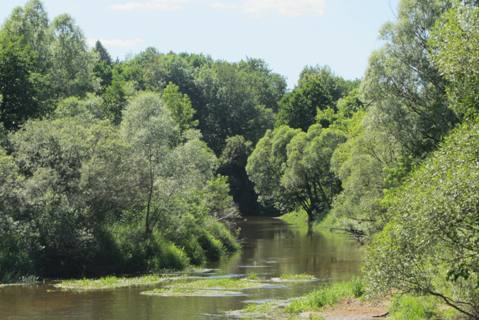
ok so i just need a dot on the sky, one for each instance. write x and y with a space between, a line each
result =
287 34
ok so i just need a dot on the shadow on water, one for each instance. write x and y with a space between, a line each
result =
270 248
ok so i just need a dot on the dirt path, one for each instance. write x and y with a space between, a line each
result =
353 309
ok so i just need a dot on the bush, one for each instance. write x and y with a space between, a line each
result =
357 285
141 254
193 250
213 247
223 234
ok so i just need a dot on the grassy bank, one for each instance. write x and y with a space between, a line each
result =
347 300
312 303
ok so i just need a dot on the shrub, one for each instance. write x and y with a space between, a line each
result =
213 247
222 233
142 254
357 285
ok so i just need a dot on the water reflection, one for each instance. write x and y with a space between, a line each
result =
270 248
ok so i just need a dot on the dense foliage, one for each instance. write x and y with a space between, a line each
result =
397 155
102 171
139 165
430 244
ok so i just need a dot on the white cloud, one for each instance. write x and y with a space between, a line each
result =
118 43
292 8
156 5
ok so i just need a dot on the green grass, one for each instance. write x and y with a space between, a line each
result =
112 282
408 307
323 297
312 302
219 284
265 308
207 288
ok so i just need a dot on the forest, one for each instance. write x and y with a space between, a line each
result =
134 166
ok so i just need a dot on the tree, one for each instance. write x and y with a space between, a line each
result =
91 107
230 106
318 89
429 247
179 106
17 87
265 167
308 177
74 183
103 65
406 115
402 84
455 41
149 128
30 24
72 71
116 95
291 169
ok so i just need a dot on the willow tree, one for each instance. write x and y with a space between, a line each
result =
291 168
149 128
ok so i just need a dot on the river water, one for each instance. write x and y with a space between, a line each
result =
270 248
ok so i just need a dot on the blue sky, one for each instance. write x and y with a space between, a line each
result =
288 34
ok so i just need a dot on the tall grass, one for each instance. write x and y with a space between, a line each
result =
326 296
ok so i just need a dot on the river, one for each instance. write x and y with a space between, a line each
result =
270 248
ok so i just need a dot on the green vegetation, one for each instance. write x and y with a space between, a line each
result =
323 297
112 282
184 292
392 161
297 277
313 303
101 171
140 165
407 307
207 288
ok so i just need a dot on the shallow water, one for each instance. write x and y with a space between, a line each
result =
270 248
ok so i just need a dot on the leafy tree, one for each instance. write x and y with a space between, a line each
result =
318 89
455 40
72 72
405 89
89 108
360 165
265 167
150 129
74 182
308 178
103 65
267 86
30 24
230 107
430 245
291 169
17 88
407 114
116 95
179 106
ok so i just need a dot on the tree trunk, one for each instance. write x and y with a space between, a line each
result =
150 196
